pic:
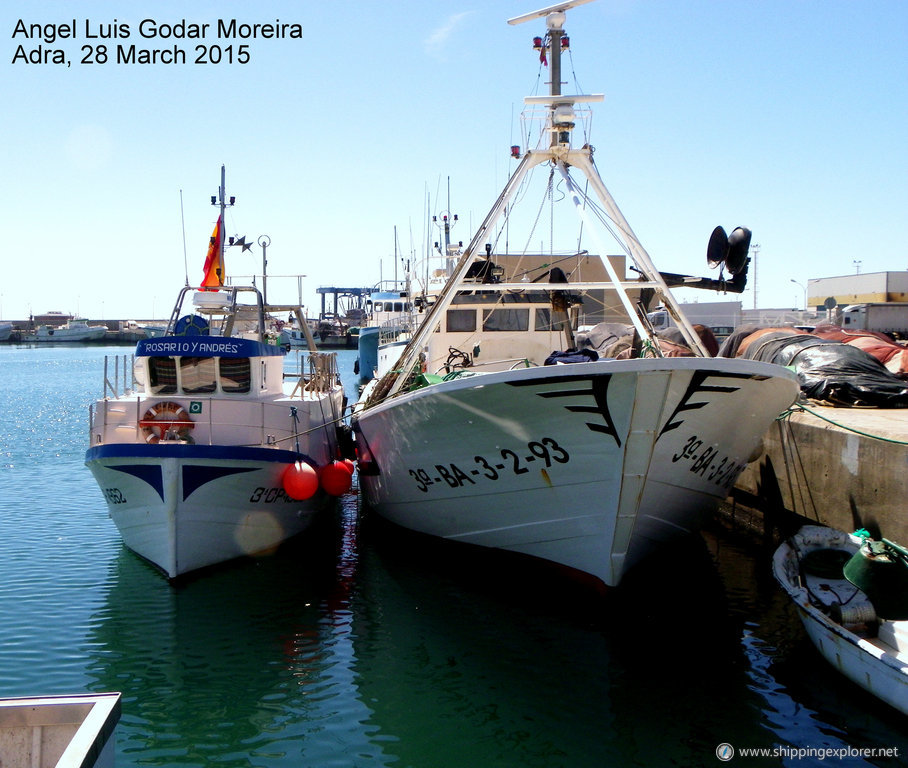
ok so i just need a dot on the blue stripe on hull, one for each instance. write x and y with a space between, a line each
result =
150 473
194 476
189 451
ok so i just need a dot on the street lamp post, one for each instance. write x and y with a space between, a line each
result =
803 288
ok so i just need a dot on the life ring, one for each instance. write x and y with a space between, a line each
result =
166 420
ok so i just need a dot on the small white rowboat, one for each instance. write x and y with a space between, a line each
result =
843 622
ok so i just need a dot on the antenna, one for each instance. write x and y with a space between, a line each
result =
185 258
560 107
546 11
756 250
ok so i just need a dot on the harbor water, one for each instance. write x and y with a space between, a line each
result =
361 646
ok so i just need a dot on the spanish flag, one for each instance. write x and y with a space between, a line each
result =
214 263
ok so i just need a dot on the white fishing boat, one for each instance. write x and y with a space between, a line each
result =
76 330
295 335
395 308
63 731
590 465
388 321
153 330
863 634
219 451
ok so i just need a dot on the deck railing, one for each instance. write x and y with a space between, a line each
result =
390 330
122 365
315 371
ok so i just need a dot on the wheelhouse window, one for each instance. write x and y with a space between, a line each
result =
544 321
461 320
236 375
198 375
505 319
162 375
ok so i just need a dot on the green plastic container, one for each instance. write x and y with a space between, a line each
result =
880 570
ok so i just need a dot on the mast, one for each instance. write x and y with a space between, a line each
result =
555 41
561 116
222 203
449 254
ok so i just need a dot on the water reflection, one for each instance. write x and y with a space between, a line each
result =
353 648
468 658
247 662
358 646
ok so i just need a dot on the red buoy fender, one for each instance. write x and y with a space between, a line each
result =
336 478
300 481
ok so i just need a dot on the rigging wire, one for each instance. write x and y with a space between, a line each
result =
546 197
591 204
587 124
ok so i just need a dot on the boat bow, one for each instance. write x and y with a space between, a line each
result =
479 434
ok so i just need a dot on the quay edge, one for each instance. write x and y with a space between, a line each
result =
841 467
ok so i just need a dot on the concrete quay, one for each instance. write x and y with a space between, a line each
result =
841 467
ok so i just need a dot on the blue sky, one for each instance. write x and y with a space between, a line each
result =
789 117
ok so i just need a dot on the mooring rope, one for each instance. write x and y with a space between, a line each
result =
796 408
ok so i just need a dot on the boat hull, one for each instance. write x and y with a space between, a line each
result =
367 353
591 466
858 660
871 663
75 335
185 507
74 730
